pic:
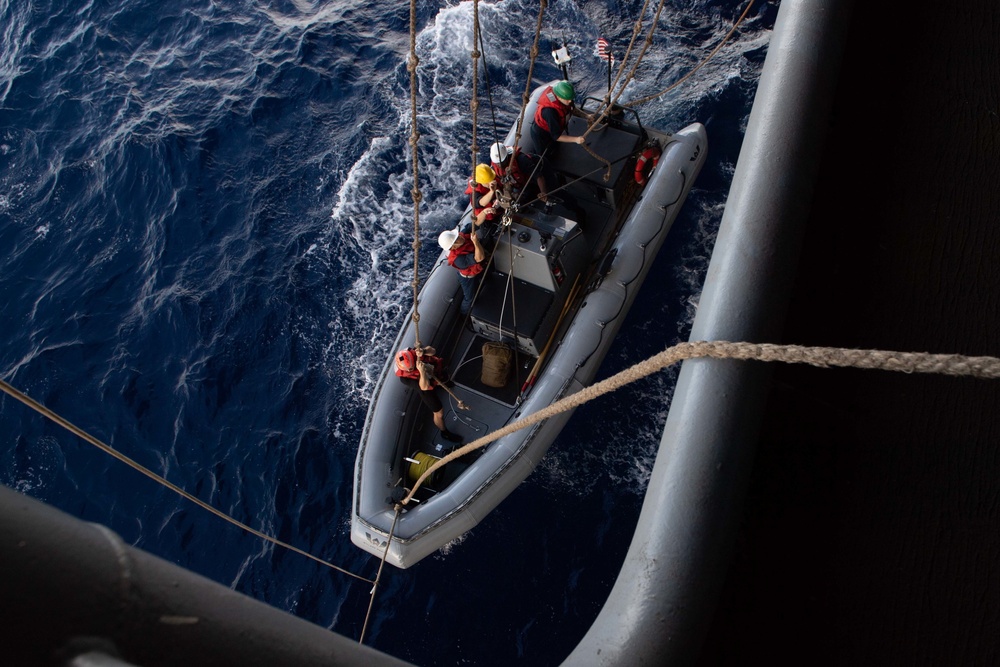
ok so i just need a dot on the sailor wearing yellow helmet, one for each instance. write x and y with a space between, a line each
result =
482 190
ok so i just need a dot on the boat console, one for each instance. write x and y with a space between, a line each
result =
539 257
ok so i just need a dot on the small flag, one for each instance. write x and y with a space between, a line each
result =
603 50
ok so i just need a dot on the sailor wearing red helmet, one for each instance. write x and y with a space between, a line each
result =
420 367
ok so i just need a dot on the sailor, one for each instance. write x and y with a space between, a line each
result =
516 166
555 106
482 190
420 367
465 253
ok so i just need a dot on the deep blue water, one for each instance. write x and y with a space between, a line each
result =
205 227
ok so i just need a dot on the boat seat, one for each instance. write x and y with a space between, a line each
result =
572 161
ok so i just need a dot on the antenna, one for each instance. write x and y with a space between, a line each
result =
561 55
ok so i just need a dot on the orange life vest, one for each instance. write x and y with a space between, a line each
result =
406 364
548 100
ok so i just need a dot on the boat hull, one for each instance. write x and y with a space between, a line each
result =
395 421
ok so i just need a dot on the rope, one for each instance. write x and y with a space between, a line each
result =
711 55
823 357
458 401
526 96
381 565
636 29
648 42
506 193
475 91
489 91
44 411
411 65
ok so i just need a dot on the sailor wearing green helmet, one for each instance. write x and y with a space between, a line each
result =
555 106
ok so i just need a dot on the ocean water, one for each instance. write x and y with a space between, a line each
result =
205 229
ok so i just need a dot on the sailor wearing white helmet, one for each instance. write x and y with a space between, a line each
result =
466 254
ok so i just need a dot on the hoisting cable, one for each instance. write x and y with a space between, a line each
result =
52 416
411 65
697 67
823 357
475 297
505 197
526 96
636 29
385 554
648 42
475 90
489 91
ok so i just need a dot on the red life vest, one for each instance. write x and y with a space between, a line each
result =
467 247
548 100
513 168
475 192
406 364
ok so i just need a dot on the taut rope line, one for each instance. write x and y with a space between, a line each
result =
378 577
411 65
636 29
474 104
642 52
824 357
697 67
45 412
526 96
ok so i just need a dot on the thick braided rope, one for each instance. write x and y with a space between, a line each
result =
824 357
526 96
636 30
415 192
697 67
474 104
635 66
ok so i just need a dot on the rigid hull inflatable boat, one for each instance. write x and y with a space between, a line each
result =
555 293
